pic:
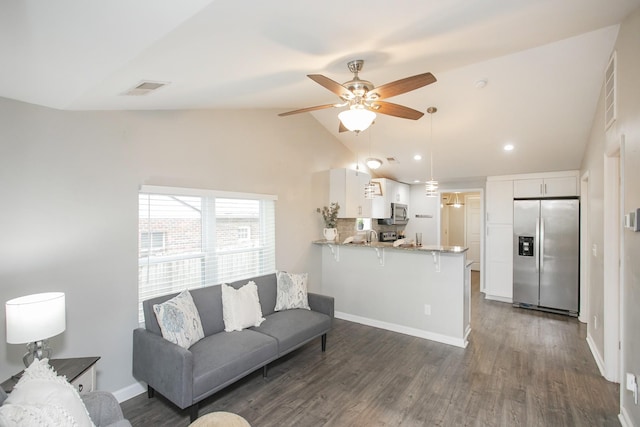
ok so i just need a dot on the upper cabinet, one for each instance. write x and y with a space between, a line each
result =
499 200
392 192
346 187
561 186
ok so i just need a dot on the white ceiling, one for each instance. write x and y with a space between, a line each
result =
543 59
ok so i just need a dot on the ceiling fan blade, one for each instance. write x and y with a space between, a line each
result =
395 110
342 128
401 86
304 110
332 85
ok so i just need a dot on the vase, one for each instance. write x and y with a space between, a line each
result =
330 234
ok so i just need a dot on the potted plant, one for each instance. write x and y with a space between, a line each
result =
330 217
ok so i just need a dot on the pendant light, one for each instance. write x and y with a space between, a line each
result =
370 188
454 200
432 185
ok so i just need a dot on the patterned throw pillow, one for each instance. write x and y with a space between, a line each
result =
292 291
241 307
42 398
179 320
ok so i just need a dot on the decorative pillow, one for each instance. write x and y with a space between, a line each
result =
42 398
179 320
292 291
241 307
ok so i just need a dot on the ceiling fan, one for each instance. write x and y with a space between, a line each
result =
363 98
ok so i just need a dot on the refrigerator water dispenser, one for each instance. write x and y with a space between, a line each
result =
525 245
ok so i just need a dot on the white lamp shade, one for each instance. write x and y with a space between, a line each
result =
35 317
357 119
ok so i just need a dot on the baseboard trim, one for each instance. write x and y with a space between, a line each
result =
497 298
130 391
596 355
624 418
445 339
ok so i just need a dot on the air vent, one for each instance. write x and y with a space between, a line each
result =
610 92
392 160
145 87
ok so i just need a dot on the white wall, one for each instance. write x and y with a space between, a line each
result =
422 205
68 222
628 124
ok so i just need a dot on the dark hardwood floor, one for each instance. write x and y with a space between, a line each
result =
521 368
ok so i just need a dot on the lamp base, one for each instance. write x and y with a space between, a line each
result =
36 350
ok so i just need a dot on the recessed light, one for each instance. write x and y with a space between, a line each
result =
479 84
508 147
416 181
417 157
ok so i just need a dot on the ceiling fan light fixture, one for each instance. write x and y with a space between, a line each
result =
357 118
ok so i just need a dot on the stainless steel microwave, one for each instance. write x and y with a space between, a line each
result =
399 215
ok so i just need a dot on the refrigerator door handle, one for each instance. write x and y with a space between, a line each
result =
541 244
536 247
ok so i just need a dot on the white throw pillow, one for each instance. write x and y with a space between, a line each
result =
179 320
42 398
241 307
292 291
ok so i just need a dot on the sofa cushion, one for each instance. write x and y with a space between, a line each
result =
240 307
179 320
220 359
292 328
292 291
43 398
266 291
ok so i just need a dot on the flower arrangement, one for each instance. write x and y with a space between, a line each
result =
330 214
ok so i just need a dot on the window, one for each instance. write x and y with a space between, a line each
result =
195 238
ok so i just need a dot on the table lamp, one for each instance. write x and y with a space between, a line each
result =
32 319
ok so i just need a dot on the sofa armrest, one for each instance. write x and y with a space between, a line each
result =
321 303
103 408
163 365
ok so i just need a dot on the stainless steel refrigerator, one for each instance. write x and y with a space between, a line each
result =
546 258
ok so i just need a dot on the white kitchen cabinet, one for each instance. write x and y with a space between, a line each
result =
499 206
392 192
346 187
499 262
498 240
546 187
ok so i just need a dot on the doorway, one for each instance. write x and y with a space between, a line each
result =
460 223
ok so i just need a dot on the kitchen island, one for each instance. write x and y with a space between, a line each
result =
422 291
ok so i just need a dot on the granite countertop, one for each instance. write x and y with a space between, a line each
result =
389 245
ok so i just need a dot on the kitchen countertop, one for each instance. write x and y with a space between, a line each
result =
389 245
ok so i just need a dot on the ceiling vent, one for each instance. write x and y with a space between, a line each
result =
392 160
145 87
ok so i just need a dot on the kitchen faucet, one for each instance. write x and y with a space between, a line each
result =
370 234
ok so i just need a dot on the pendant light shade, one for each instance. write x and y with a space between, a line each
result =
357 118
454 200
431 189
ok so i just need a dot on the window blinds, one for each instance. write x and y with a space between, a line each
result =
193 238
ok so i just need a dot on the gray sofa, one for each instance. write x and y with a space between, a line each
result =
102 406
185 377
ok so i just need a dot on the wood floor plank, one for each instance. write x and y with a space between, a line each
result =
521 368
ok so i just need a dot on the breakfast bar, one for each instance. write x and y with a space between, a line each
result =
422 291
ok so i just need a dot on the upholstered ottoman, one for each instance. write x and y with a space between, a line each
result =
220 419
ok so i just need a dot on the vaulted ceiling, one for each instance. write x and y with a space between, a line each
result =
543 62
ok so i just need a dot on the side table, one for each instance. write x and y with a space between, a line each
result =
80 371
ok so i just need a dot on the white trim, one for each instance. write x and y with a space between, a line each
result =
596 354
585 257
624 417
611 264
445 339
129 391
183 191
558 174
498 298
